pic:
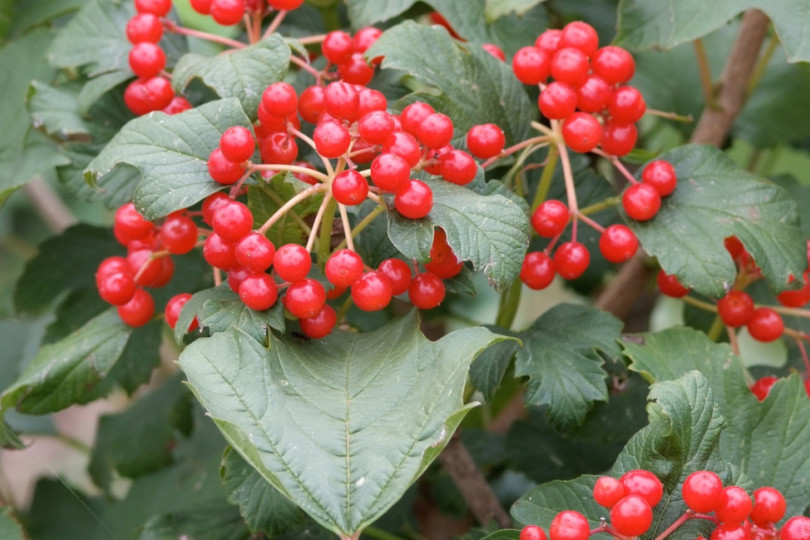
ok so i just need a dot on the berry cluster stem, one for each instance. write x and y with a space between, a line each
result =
289 204
568 177
347 228
508 306
275 23
365 222
548 175
171 26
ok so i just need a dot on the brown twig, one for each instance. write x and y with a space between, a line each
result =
48 205
712 128
459 464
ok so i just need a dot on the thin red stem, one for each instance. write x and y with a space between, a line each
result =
275 23
171 26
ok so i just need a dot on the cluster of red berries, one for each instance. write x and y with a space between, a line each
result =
122 281
617 242
587 92
231 12
632 497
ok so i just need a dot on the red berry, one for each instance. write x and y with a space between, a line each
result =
670 286
570 65
255 252
369 100
356 70
550 218
569 525
340 101
641 202
365 38
332 140
581 132
219 253
287 5
796 298
618 243
372 292
660 174
116 288
765 325
144 27
495 51
232 221
280 99
549 41
177 105
531 65
350 188
211 203
736 308
735 505
111 265
607 491
236 276
390 172
223 170
426 290
631 516
436 130
795 528
143 266
178 234
166 272
618 139
305 298
643 483
173 308
614 64
375 126
413 115
626 105
457 167
202 7
131 223
532 532
146 59
557 100
227 12
310 103
701 491
571 260
337 47
443 261
762 386
159 8
593 95
398 273
343 268
237 144
580 35
769 506
730 531
403 145
139 310
278 148
321 324
258 291
414 199
485 140
292 262
537 271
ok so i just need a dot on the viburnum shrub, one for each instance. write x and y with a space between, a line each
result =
306 248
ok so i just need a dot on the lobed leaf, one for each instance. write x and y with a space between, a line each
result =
716 199
242 73
342 426
490 231
171 152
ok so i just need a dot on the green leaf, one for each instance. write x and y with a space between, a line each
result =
342 426
496 9
73 256
213 522
683 436
95 37
561 357
264 199
27 15
367 12
715 199
154 420
262 506
488 369
10 528
490 231
171 153
446 71
765 440
670 22
219 308
56 110
20 63
62 373
241 74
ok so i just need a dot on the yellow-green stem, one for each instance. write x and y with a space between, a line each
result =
610 202
325 241
510 301
706 80
716 330
762 63
365 222
547 176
